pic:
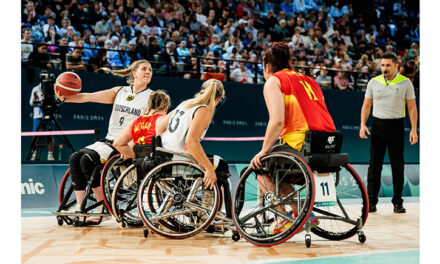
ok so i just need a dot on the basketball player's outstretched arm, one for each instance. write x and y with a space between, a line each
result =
202 118
103 97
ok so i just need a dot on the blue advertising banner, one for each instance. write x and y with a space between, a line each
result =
40 183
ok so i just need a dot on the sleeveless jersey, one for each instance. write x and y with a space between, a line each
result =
143 128
126 108
175 135
305 107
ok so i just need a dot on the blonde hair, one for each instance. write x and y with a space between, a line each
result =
212 90
128 71
159 100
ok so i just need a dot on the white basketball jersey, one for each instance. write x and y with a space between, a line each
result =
127 107
174 137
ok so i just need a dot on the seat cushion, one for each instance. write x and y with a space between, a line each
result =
327 162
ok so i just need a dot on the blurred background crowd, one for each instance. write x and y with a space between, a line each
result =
337 42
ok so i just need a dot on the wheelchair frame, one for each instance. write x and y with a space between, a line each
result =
337 221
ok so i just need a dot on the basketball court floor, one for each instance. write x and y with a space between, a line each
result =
391 238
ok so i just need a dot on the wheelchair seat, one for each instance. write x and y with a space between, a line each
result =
322 151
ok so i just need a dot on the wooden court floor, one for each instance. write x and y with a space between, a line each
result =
43 241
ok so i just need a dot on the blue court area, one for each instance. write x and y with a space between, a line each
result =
401 257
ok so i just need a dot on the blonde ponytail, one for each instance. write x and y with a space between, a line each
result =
212 90
159 100
126 72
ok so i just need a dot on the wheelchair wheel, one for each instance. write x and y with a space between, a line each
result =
109 175
124 198
342 220
172 201
265 218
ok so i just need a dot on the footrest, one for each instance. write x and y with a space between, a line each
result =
78 214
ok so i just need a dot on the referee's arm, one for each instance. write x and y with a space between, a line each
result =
412 112
365 113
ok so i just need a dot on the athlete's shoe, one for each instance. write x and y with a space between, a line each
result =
34 155
279 225
98 210
50 157
73 210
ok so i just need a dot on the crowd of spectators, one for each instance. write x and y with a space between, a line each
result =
338 42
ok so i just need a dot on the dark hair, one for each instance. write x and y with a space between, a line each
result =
389 56
278 56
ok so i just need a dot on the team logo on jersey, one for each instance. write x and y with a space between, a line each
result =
330 139
130 98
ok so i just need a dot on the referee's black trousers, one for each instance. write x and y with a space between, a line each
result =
386 133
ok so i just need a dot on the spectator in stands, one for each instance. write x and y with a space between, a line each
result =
50 23
242 74
120 59
182 50
297 38
340 80
52 37
287 7
280 31
74 60
153 48
362 63
102 29
39 57
133 55
26 47
323 79
169 57
29 15
129 29
409 70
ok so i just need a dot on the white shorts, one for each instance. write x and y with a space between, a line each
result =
104 150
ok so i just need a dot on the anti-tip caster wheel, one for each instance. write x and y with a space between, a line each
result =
235 236
145 233
308 240
76 221
60 221
361 236
123 224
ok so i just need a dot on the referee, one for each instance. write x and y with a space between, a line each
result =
388 94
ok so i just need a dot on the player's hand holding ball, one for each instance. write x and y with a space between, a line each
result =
67 85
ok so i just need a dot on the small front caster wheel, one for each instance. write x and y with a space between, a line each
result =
362 237
145 233
60 221
308 240
76 221
235 236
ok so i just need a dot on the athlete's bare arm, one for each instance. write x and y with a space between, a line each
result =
103 97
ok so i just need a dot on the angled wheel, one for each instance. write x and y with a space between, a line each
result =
172 201
124 197
109 175
341 220
262 206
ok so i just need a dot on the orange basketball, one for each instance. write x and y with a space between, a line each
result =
68 84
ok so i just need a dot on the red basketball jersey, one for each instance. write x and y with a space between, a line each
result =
144 128
305 107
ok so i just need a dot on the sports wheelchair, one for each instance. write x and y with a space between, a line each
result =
123 201
172 201
318 184
67 199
